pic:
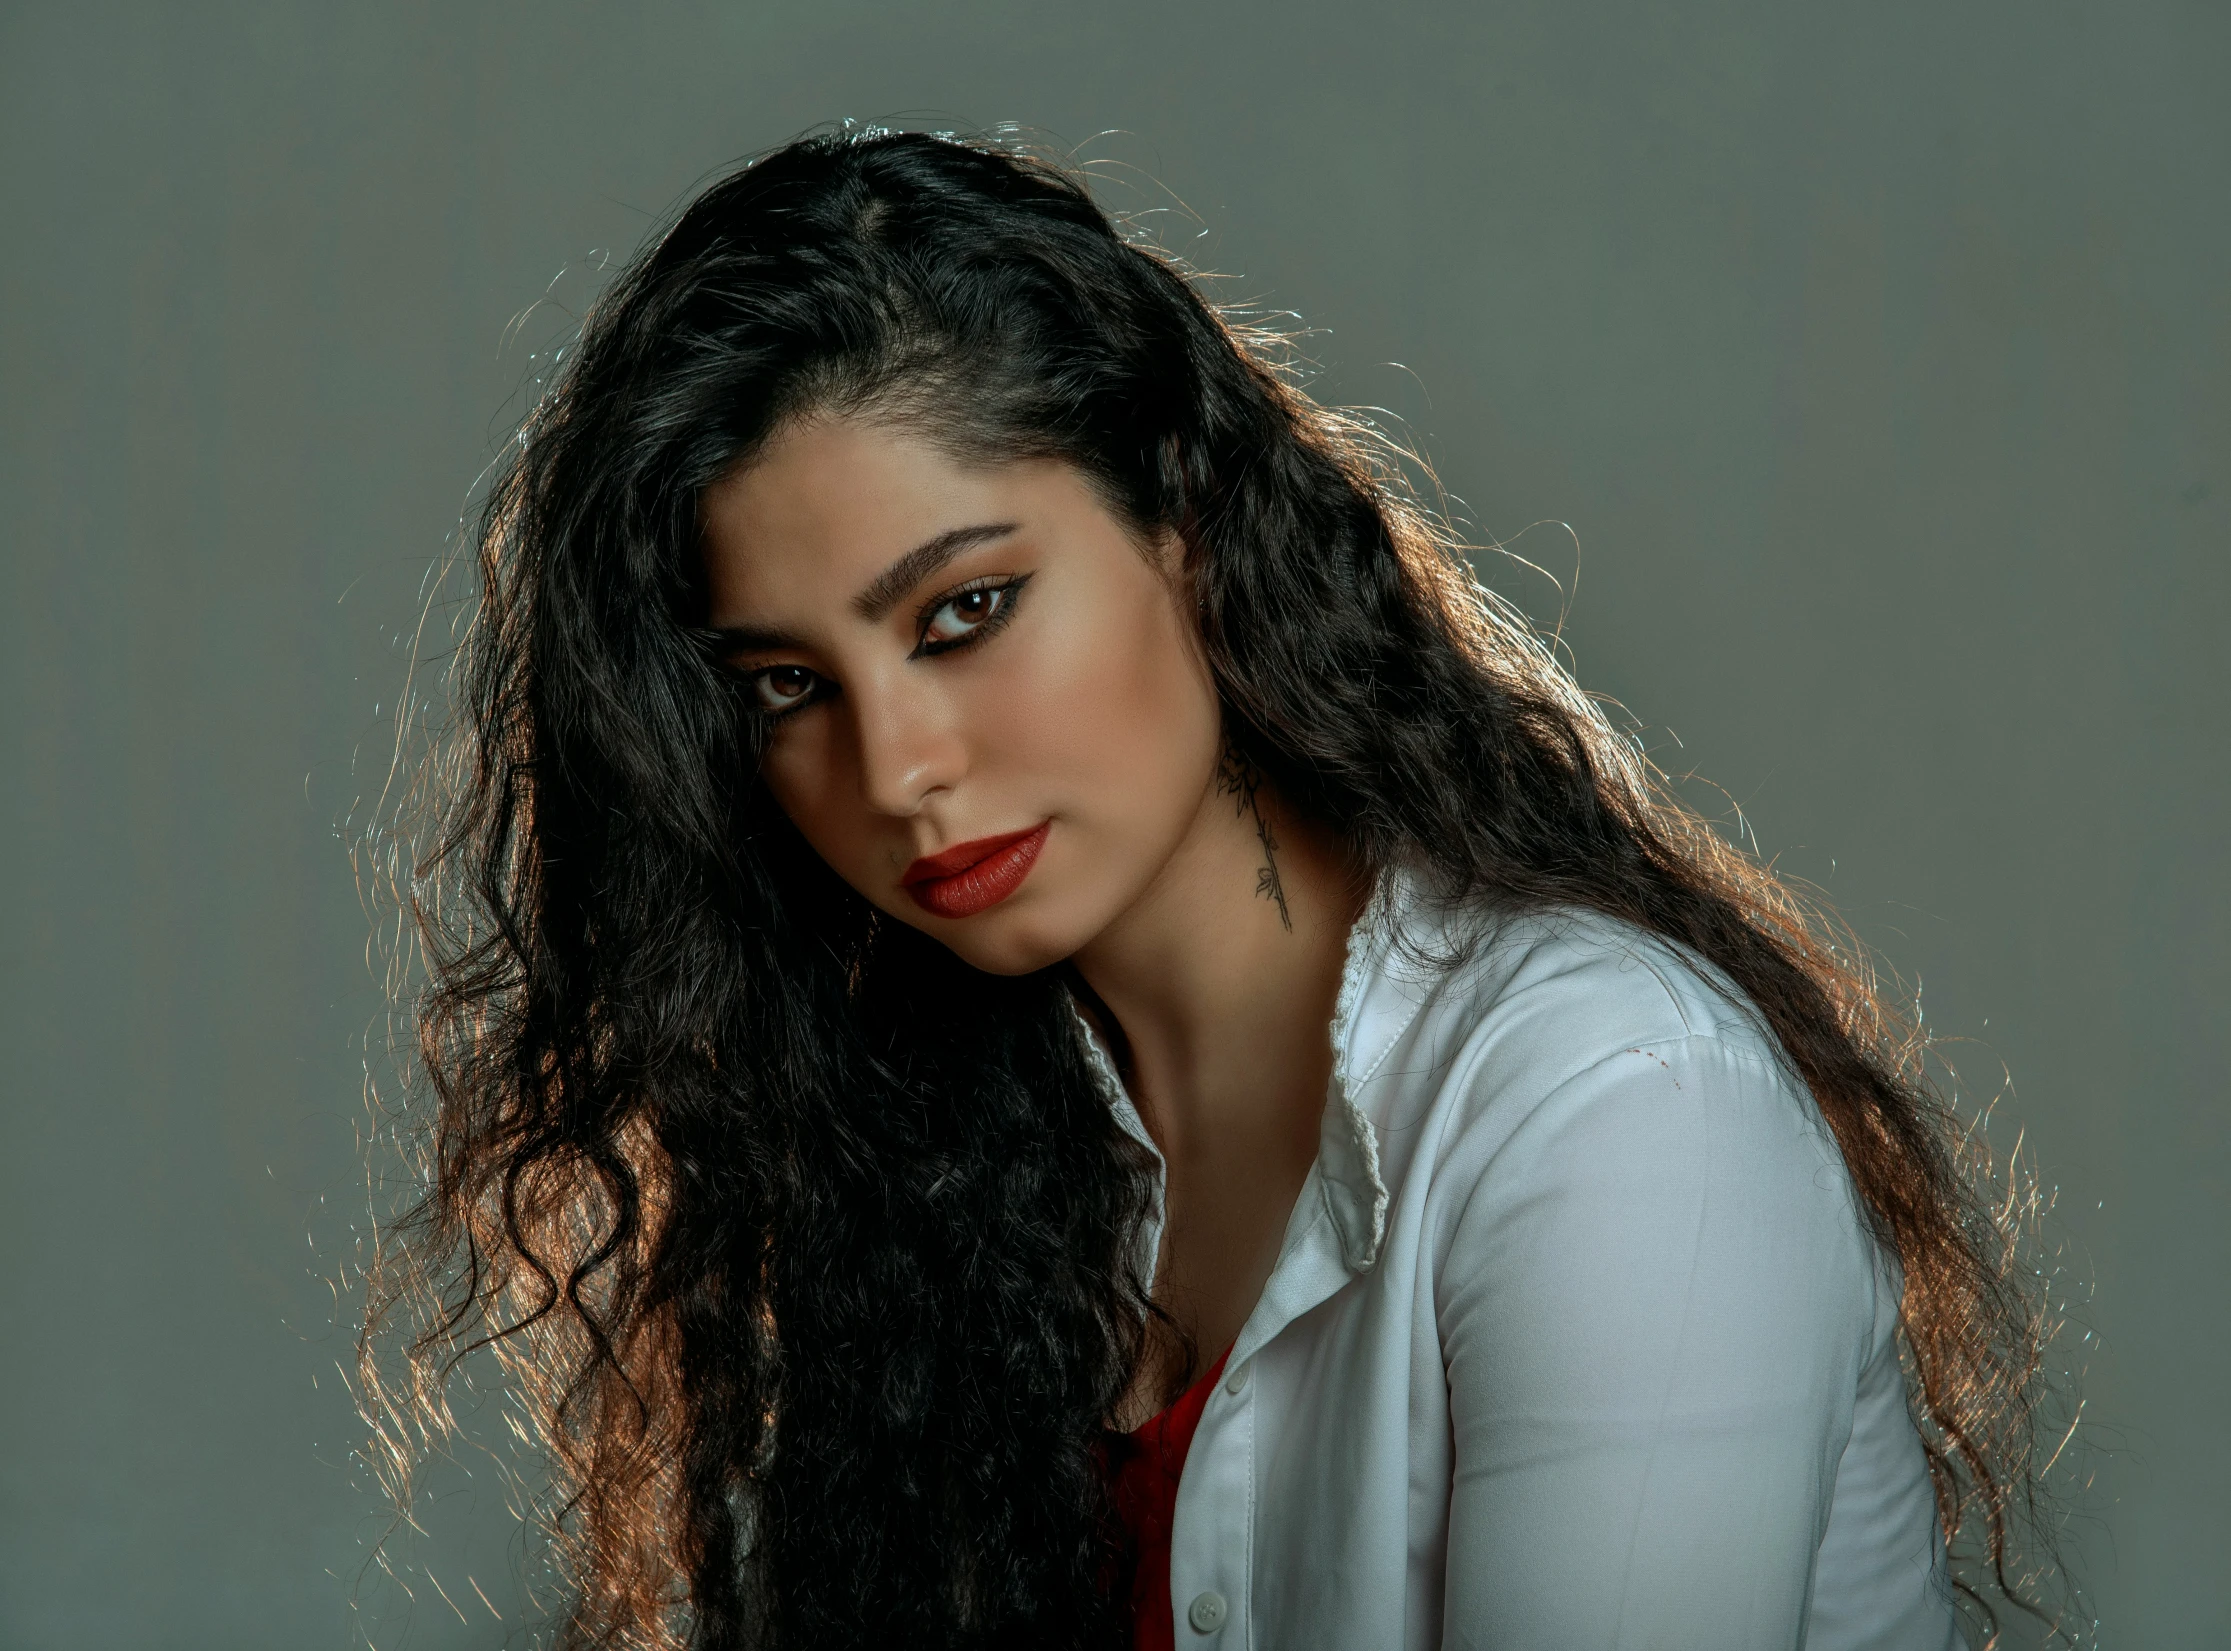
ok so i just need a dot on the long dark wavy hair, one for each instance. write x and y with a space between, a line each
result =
808 1246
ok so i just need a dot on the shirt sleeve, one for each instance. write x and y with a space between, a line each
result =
1654 1307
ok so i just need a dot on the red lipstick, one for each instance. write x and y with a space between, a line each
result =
972 877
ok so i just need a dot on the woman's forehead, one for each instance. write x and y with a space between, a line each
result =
827 507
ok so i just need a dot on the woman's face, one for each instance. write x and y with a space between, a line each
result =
989 708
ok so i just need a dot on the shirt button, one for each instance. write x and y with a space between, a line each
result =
1238 1378
1206 1613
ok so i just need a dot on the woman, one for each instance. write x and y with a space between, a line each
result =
950 727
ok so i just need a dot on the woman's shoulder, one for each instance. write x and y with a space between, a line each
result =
1569 1025
1578 1076
1600 981
1561 988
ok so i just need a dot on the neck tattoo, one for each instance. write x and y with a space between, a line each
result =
1240 779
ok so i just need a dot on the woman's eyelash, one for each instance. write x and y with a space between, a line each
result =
1010 589
766 713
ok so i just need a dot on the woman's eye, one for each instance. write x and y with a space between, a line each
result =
782 688
958 615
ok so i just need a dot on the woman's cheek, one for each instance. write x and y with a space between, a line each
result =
1056 724
1116 715
807 773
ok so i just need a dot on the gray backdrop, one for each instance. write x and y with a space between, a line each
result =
1876 357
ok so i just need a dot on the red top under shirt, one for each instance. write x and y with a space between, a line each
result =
1145 1491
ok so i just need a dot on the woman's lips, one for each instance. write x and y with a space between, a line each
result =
972 877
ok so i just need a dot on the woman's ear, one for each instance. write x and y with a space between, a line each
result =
1178 568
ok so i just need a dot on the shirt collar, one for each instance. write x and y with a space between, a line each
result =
1367 1020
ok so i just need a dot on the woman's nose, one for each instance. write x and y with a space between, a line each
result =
909 747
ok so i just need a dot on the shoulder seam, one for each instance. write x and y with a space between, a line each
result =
1649 1048
1764 1061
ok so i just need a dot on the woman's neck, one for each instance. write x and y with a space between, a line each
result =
1223 975
1222 981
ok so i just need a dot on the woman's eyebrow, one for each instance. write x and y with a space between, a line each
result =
746 639
890 587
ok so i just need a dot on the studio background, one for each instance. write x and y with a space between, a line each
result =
1878 357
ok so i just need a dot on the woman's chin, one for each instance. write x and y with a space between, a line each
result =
1007 943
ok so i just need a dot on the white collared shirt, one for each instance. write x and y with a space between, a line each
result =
1575 1339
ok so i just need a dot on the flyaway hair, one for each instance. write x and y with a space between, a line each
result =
809 1248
